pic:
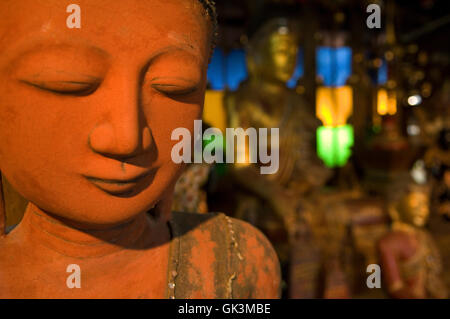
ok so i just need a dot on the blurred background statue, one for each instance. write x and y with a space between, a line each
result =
272 202
411 262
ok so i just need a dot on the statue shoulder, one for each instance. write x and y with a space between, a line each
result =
398 243
222 257
259 267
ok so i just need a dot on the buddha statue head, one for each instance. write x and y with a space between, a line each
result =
413 206
86 114
272 50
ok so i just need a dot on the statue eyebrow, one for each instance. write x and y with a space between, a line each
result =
173 48
23 47
69 74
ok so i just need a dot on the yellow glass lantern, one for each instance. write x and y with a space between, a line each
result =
386 102
334 105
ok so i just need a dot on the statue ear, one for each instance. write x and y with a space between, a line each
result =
2 210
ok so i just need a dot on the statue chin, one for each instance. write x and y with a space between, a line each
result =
419 221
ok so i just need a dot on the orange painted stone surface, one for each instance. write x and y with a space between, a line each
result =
86 117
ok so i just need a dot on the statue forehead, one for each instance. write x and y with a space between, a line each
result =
280 25
274 34
277 38
126 23
416 197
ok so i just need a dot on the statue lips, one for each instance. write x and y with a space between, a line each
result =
123 186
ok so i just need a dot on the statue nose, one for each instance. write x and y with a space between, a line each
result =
123 130
122 140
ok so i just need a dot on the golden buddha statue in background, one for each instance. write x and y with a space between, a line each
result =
411 261
272 202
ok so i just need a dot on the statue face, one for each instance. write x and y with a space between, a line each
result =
415 208
275 53
281 54
86 115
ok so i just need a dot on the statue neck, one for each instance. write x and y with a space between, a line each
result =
266 86
46 230
404 227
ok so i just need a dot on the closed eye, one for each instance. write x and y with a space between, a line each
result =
175 90
76 88
176 86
